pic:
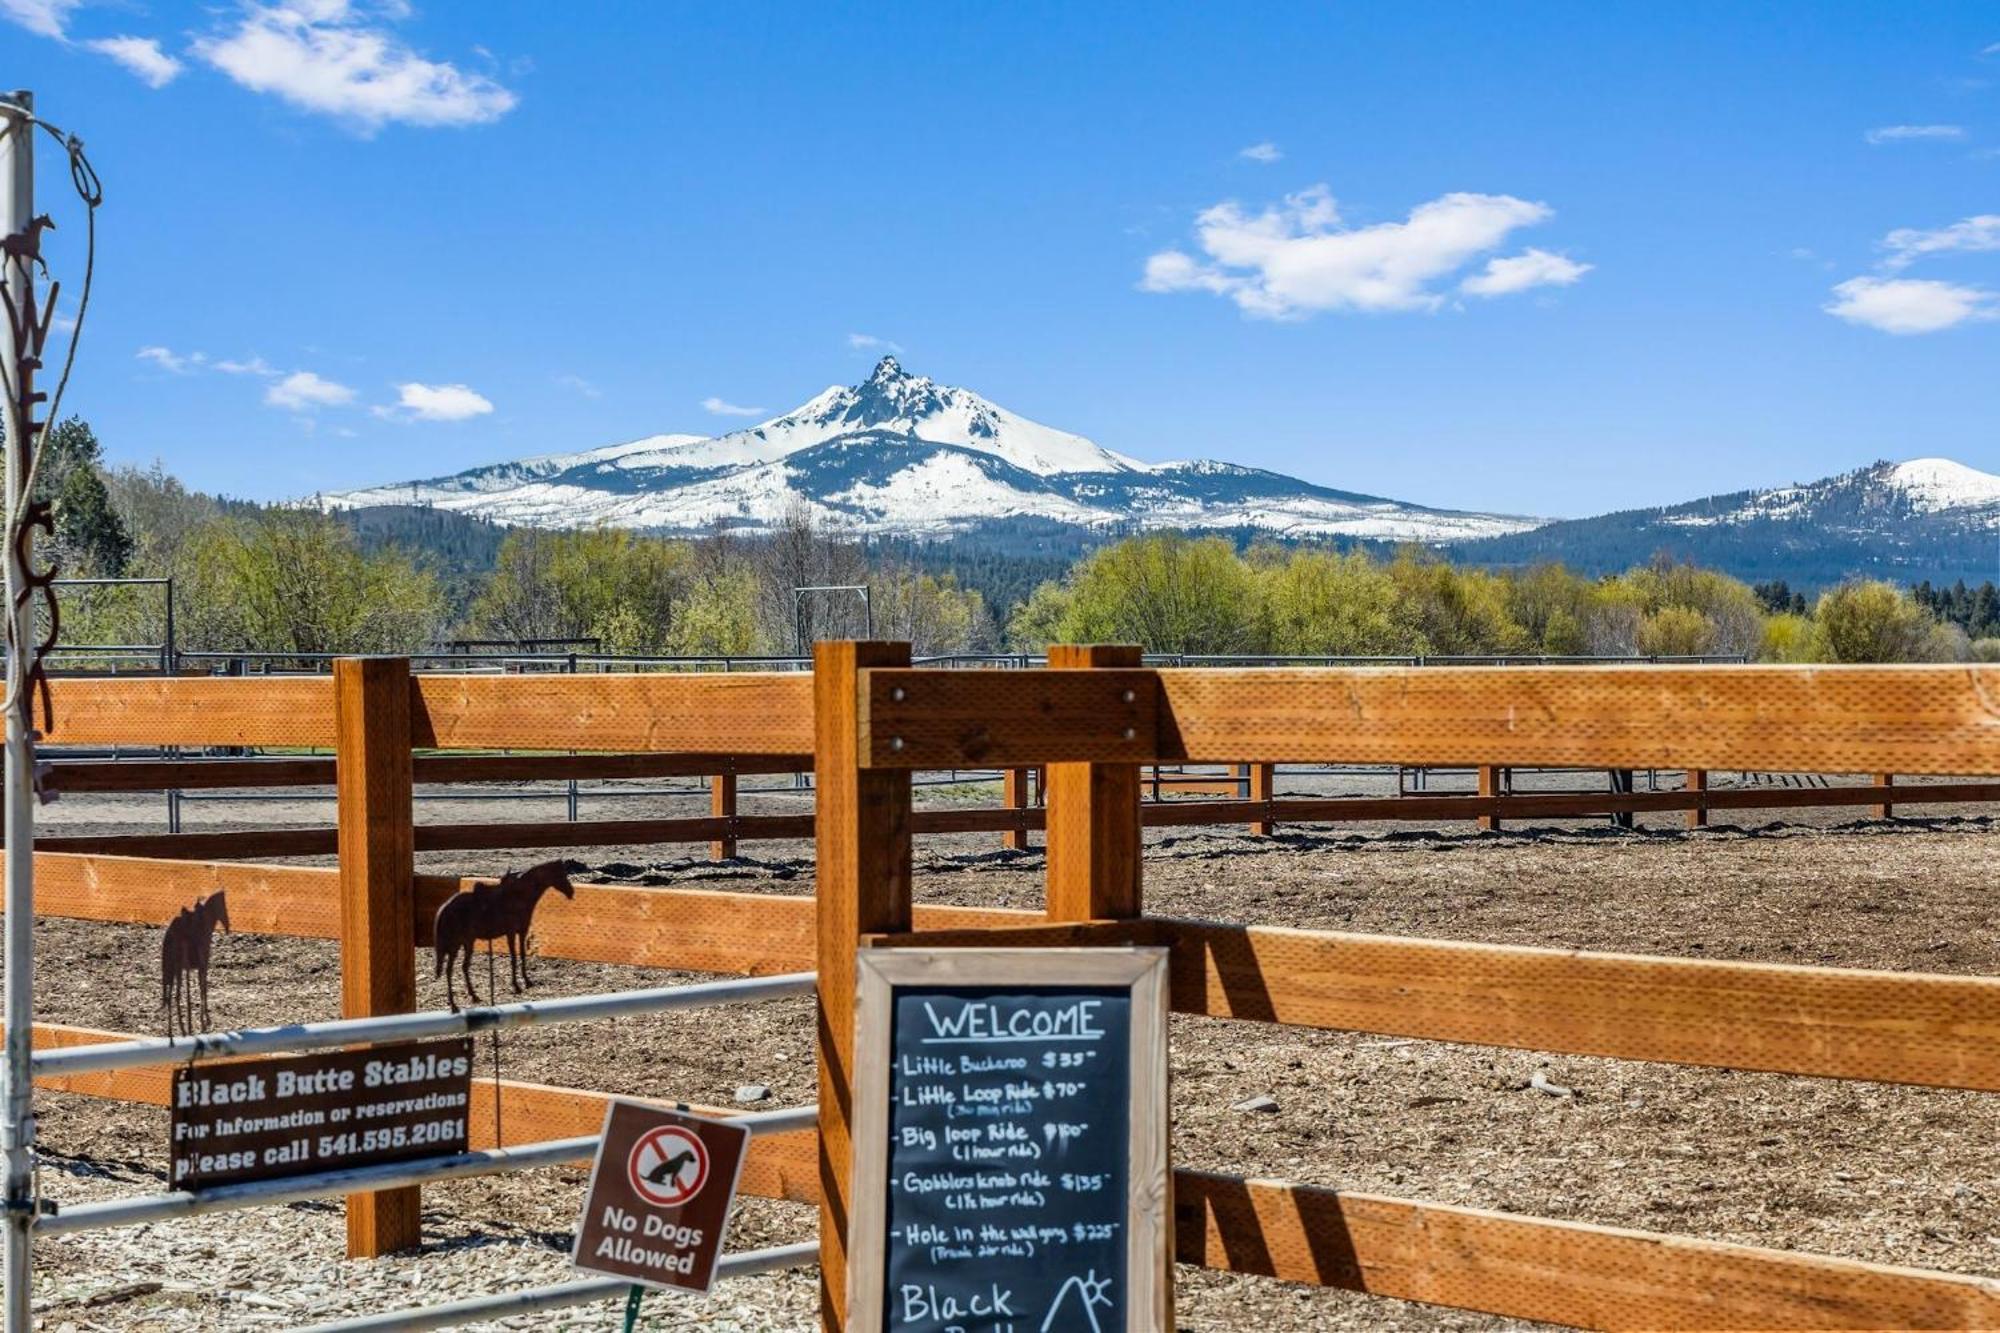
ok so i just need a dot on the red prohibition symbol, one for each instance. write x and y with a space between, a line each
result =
667 1166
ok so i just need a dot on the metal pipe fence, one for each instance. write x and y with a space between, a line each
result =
147 1209
156 657
143 1209
142 1051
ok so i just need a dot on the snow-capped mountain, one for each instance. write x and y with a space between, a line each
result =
901 454
1926 518
1920 488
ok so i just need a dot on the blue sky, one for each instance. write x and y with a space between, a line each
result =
1547 259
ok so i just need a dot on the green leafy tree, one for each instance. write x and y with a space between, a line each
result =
1167 592
1323 604
159 512
1871 621
1677 631
1730 606
1454 611
603 583
719 616
1038 621
1551 605
293 581
1789 637
930 612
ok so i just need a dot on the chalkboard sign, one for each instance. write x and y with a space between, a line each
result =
1010 1142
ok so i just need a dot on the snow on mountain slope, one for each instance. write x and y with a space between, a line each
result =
1867 499
467 489
1930 518
902 454
1937 484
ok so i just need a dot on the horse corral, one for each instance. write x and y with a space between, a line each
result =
869 722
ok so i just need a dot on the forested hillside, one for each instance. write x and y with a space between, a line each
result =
409 577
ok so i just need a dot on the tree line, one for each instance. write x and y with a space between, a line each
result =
1183 594
294 579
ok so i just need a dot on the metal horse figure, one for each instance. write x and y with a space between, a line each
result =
186 948
502 911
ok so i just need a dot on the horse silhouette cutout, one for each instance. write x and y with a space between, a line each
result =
185 949
490 912
670 1169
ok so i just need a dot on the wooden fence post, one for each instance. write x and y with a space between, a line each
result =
1697 782
1015 797
1886 810
1489 787
1263 783
378 952
1093 830
862 842
722 805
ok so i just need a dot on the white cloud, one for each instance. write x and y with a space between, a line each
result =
1517 273
442 402
1910 305
142 56
325 56
1266 152
1904 133
718 407
1296 258
302 391
46 18
868 342
580 385
1906 245
178 363
1993 50
256 365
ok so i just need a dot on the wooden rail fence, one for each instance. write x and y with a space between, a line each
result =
1093 720
1019 815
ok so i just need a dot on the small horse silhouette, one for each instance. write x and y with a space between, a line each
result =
186 948
670 1169
502 911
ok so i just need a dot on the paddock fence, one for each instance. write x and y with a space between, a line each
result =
1245 792
1093 721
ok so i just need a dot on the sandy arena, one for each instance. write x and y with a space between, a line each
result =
1897 1175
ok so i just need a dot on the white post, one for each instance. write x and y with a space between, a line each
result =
17 1106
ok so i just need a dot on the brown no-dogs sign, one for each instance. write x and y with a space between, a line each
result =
659 1197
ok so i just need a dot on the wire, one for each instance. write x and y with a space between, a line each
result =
90 189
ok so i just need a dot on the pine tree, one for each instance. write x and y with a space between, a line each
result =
88 529
91 539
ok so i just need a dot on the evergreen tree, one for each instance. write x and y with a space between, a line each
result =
91 538
88 529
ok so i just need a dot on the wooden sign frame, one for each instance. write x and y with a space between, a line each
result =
1142 971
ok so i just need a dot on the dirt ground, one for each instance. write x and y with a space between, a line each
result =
1898 1175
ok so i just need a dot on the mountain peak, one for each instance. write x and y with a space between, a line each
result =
901 453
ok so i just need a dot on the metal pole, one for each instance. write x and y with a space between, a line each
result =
17 1105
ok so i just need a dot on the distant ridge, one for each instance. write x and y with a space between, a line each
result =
1928 518
900 455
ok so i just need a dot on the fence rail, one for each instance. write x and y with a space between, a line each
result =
726 826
